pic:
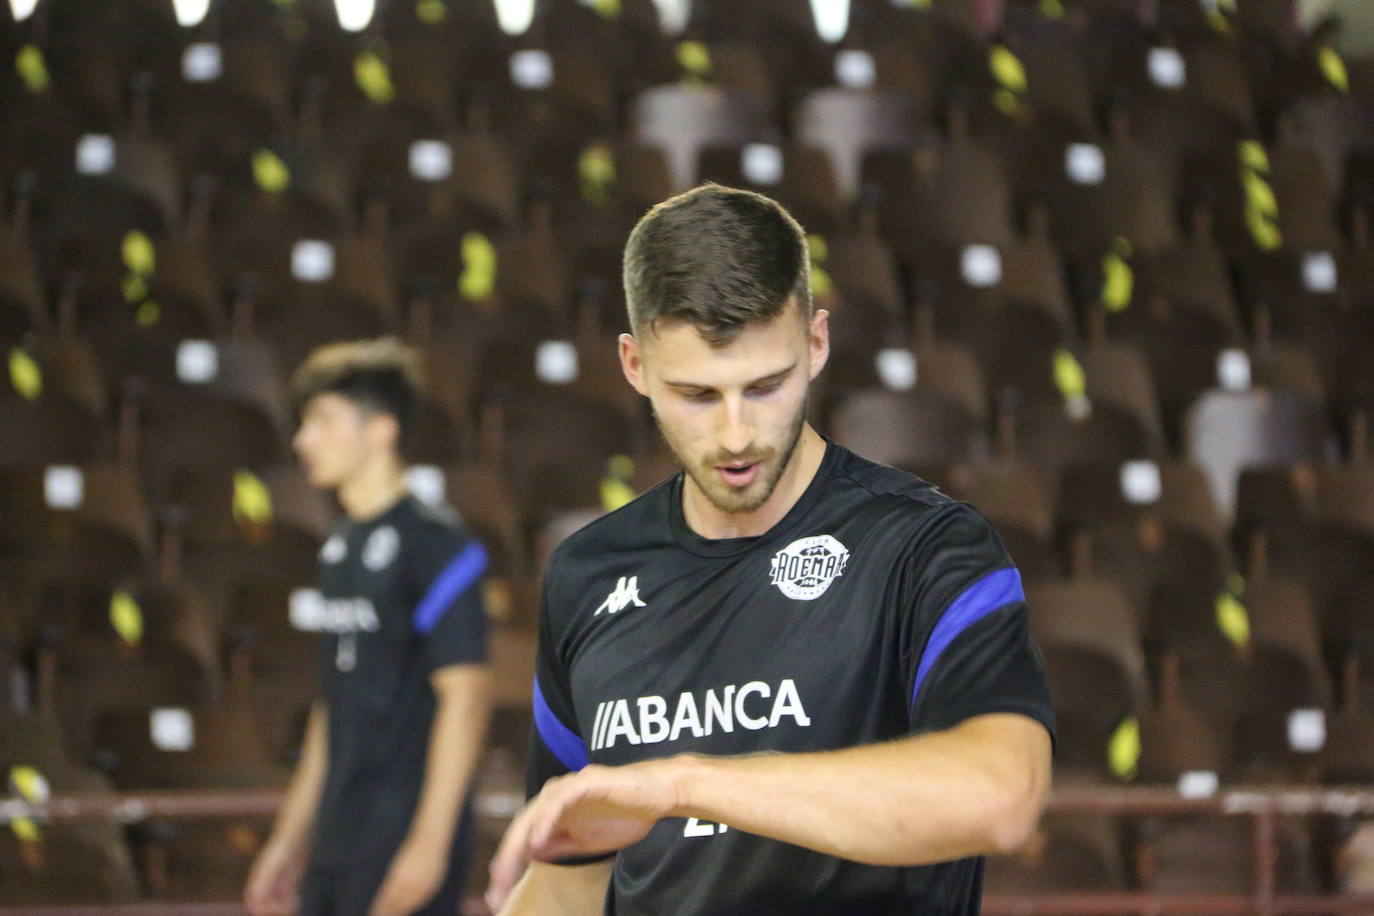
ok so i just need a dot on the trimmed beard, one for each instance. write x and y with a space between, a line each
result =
767 484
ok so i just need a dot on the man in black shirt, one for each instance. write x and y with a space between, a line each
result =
377 819
788 680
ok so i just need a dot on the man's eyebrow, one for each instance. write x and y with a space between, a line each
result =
772 376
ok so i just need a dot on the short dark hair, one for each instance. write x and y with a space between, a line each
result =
380 376
718 258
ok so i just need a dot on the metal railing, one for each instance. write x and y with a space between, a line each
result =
1264 806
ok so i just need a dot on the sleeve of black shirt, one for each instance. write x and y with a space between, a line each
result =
447 567
556 742
966 643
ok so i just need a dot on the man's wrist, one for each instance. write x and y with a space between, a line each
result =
689 775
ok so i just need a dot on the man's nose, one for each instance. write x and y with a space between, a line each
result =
737 433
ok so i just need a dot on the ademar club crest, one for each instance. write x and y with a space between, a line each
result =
804 569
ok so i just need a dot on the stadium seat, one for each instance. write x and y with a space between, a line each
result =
22 304
909 430
129 646
96 512
65 419
799 177
1091 641
850 123
1066 853
71 863
1012 495
1229 431
681 119
203 404
273 660
220 529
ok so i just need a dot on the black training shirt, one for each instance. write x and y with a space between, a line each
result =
878 607
399 599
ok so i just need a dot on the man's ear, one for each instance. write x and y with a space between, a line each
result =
384 430
632 363
818 340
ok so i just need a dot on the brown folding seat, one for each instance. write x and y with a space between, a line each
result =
1166 547
681 119
66 421
133 645
1048 435
1181 344
41 131
1229 431
22 303
1196 855
1200 854
1120 189
1269 740
533 284
195 747
214 536
485 498
850 123
270 197
907 429
1348 756
96 512
862 267
1341 546
1177 738
577 95
213 125
176 747
1118 376
203 404
1193 274
799 177
69 862
1013 495
272 649
1090 637
428 173
1059 90
355 297
569 475
1067 852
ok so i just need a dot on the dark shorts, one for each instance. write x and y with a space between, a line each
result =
348 890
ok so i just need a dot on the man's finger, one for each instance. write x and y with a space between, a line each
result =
511 858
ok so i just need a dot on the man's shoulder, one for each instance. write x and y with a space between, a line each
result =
632 527
884 486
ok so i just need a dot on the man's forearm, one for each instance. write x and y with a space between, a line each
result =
297 815
932 798
455 743
560 890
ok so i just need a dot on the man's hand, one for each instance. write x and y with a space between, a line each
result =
594 811
274 880
414 877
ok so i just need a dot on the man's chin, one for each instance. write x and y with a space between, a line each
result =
738 501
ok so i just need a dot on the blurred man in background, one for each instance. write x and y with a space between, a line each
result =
377 819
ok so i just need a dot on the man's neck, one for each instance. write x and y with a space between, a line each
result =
710 522
372 491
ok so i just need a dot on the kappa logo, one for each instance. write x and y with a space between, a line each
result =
625 594
804 569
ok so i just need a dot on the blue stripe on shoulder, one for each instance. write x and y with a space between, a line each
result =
994 591
570 750
453 580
